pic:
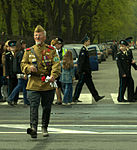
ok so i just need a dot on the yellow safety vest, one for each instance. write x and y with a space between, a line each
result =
64 51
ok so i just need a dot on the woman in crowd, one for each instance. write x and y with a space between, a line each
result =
22 79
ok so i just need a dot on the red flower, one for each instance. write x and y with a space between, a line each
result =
27 49
43 78
51 47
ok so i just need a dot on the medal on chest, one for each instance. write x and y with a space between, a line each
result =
46 59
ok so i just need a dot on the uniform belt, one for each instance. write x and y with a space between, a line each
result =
38 75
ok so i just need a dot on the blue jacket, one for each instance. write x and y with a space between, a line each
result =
67 75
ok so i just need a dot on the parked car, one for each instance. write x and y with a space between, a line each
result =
93 57
103 50
109 47
77 47
105 47
99 53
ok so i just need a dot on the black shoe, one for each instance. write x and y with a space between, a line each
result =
1 100
15 103
99 98
45 132
78 100
58 103
10 103
32 132
123 100
75 100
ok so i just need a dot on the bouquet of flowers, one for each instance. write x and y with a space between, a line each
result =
47 79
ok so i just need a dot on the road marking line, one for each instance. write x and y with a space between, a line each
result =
70 131
24 126
85 98
91 133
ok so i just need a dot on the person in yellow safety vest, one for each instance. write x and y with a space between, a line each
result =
60 51
58 43
64 50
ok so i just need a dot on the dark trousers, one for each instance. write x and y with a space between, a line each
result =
46 98
1 83
85 78
128 83
12 83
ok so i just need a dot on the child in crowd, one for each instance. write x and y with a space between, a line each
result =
67 77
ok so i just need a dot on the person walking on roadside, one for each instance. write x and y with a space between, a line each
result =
124 63
1 71
58 44
85 73
10 75
4 88
22 79
67 77
42 64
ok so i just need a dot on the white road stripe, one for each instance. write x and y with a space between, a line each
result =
85 98
92 133
70 131
24 126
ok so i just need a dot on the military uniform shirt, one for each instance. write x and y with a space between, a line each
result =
47 62
124 63
83 61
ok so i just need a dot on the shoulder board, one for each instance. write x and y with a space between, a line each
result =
50 47
83 48
118 53
7 53
27 49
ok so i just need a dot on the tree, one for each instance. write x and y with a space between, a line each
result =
6 6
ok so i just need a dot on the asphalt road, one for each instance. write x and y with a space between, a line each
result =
106 125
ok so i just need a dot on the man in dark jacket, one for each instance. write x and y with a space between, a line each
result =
124 62
10 75
22 79
85 73
1 70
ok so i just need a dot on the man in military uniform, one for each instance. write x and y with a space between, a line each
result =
85 73
129 39
124 63
38 62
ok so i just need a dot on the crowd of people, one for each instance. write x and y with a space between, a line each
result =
43 70
40 71
12 79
